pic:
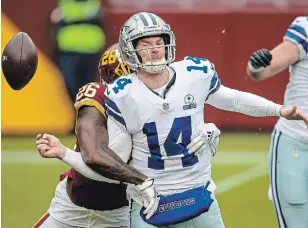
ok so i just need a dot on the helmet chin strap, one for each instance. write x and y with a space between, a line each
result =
155 67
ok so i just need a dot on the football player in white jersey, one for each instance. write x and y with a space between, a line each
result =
288 160
159 106
85 198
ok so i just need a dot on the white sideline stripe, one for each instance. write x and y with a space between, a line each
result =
26 158
221 158
239 158
241 178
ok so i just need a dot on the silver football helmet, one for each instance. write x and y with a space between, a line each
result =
145 25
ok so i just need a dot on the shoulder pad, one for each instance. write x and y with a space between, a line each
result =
91 94
198 65
119 87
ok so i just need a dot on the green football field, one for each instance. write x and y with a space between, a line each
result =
239 171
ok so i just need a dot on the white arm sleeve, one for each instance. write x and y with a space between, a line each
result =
120 142
74 159
242 102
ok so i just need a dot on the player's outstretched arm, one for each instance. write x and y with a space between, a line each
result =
93 140
50 146
264 64
253 105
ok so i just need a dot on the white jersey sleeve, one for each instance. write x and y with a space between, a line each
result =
297 33
74 159
113 90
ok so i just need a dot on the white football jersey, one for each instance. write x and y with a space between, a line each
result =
162 128
297 89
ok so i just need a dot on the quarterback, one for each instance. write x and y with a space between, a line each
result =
159 106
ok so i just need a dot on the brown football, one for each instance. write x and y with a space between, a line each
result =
19 61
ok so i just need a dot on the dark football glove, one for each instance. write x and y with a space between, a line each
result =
259 60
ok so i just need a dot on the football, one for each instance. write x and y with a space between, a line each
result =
19 61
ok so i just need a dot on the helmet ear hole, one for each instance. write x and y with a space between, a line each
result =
139 57
166 39
106 75
134 43
111 74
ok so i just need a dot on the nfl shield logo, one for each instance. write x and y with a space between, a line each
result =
165 106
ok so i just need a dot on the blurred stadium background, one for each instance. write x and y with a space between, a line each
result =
224 31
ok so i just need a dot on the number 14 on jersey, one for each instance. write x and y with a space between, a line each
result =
181 127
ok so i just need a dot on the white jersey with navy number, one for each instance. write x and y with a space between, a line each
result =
162 128
297 89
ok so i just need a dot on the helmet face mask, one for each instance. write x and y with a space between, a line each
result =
111 65
140 26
